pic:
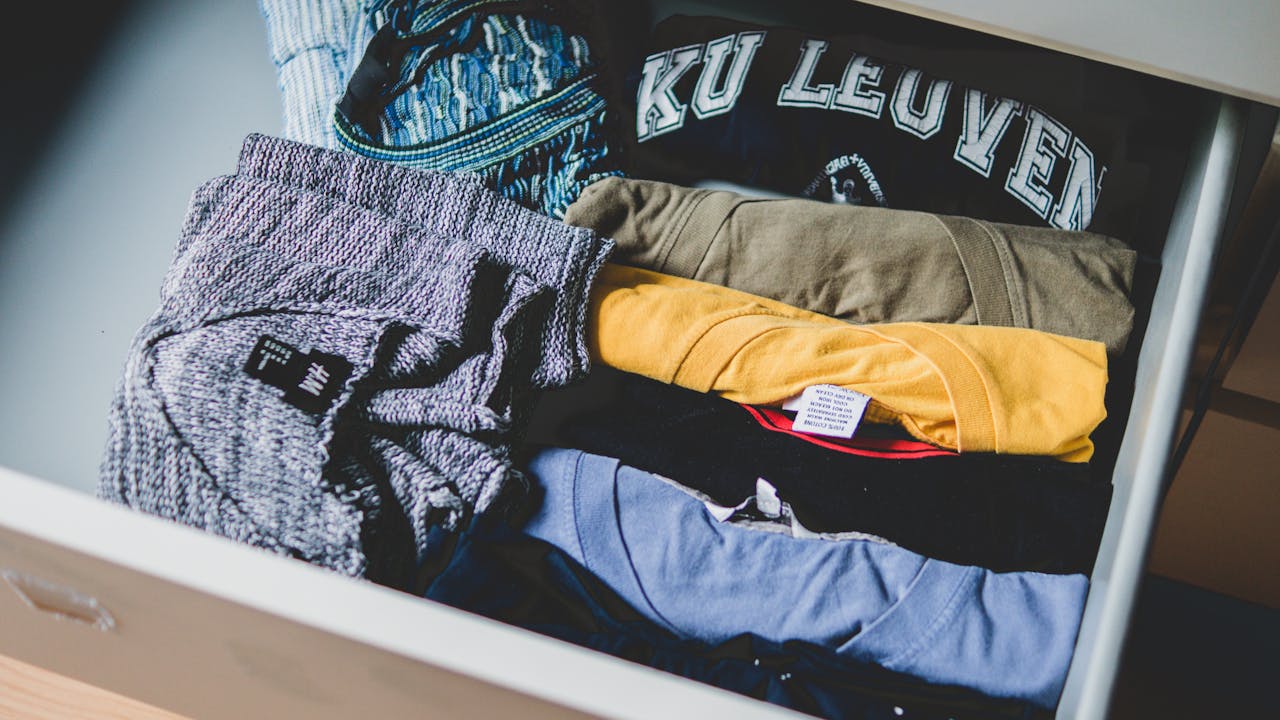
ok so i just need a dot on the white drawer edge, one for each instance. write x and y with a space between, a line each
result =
1163 366
426 632
1227 47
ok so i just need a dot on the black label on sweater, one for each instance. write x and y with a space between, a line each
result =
310 381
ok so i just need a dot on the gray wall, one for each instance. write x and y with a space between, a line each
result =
88 237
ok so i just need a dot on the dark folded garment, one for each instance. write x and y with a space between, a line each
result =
832 114
1001 512
505 575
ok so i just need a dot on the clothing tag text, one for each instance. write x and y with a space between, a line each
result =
310 381
828 410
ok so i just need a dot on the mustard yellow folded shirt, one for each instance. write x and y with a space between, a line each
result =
970 388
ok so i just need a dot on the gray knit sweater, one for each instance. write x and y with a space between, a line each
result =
329 379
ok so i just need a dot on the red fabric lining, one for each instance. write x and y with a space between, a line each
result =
777 421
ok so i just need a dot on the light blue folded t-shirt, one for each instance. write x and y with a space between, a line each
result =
1003 634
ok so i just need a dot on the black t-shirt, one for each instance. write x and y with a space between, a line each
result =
1001 512
812 115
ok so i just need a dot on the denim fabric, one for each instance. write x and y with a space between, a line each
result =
310 45
561 257
441 339
1008 635
513 97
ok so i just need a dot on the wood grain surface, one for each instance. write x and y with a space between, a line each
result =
31 693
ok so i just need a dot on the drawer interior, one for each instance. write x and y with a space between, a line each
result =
154 577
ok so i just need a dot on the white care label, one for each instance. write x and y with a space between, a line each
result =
828 410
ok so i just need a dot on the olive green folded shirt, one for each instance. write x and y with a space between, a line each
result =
869 264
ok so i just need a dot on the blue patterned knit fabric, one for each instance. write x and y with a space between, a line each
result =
512 97
506 90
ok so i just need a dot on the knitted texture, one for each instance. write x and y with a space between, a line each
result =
310 45
442 339
470 85
517 59
508 90
561 257
197 440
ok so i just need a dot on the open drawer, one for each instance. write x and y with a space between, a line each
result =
211 629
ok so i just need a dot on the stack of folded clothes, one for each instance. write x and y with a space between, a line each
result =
834 455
